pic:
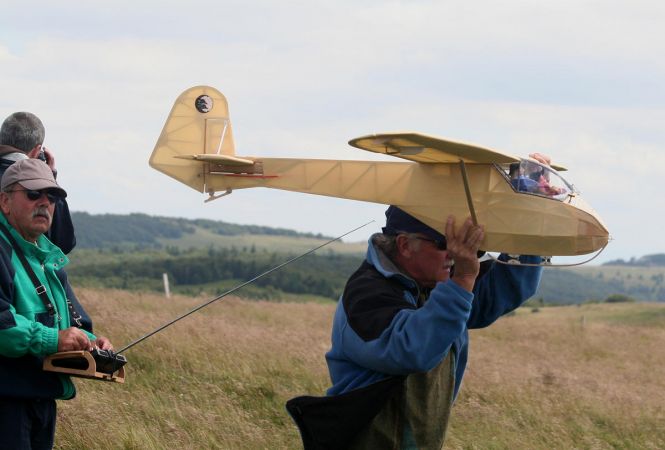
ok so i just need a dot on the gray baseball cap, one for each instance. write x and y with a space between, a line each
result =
32 174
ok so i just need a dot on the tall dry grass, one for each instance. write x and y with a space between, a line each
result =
587 377
573 377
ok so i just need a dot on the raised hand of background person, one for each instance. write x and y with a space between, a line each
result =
50 157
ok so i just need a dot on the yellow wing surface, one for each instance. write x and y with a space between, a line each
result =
426 149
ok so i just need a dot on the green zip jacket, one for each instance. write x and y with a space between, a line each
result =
28 332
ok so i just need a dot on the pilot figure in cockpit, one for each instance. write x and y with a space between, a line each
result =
531 177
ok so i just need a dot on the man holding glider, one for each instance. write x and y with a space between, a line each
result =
400 335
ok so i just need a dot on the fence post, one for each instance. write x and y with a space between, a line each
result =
167 292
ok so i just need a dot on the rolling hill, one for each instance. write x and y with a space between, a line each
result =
132 251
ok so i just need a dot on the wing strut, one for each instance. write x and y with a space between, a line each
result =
467 189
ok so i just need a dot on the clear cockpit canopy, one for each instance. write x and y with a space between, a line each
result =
532 177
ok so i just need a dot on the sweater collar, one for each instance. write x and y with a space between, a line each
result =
43 250
387 267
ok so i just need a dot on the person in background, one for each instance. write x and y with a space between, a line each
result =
21 137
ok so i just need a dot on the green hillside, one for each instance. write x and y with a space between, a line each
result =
204 256
139 232
584 283
655 260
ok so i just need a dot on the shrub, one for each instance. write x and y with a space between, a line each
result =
619 298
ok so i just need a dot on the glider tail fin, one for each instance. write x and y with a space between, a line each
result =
199 124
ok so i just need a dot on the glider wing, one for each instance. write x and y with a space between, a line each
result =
423 148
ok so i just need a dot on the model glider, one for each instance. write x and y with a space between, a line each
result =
526 207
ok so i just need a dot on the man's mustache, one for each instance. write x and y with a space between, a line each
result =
41 211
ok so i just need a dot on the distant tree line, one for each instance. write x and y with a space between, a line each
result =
138 234
230 229
322 275
560 286
655 260
108 230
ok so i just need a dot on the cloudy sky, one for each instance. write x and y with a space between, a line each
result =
580 80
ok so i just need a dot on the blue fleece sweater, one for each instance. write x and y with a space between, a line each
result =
381 329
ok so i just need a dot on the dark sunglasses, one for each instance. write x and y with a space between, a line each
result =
440 244
32 195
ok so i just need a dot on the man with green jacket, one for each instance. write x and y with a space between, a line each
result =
37 317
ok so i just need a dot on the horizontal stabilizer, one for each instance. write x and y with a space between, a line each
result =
219 159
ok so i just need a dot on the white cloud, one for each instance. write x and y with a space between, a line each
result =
576 79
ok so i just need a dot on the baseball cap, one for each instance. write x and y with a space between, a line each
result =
398 221
32 174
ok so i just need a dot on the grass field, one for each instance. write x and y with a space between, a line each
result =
569 377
